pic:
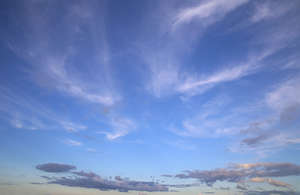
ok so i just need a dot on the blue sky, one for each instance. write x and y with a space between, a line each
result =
203 93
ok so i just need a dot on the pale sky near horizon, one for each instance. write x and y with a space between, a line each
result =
150 97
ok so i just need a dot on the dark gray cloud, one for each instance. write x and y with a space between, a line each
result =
241 187
241 172
255 140
37 183
274 169
167 175
85 174
224 188
55 167
6 184
92 180
290 113
210 177
118 178
184 185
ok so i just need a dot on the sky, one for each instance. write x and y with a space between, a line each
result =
150 97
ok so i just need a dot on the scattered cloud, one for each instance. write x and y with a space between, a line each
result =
55 167
277 128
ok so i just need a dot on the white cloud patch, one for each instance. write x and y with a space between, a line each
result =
71 142
163 80
285 95
269 10
72 127
120 127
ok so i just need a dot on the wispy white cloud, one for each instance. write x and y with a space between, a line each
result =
207 12
91 150
211 122
56 63
168 76
266 133
72 127
120 127
192 85
163 80
17 123
269 10
26 112
169 80
284 95
71 142
164 60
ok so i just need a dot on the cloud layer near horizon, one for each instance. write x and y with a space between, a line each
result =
92 180
241 173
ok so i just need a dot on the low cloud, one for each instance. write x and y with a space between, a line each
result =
55 167
240 173
271 192
270 181
92 180
241 187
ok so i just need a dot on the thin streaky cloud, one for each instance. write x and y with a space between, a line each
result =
57 69
207 12
271 182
